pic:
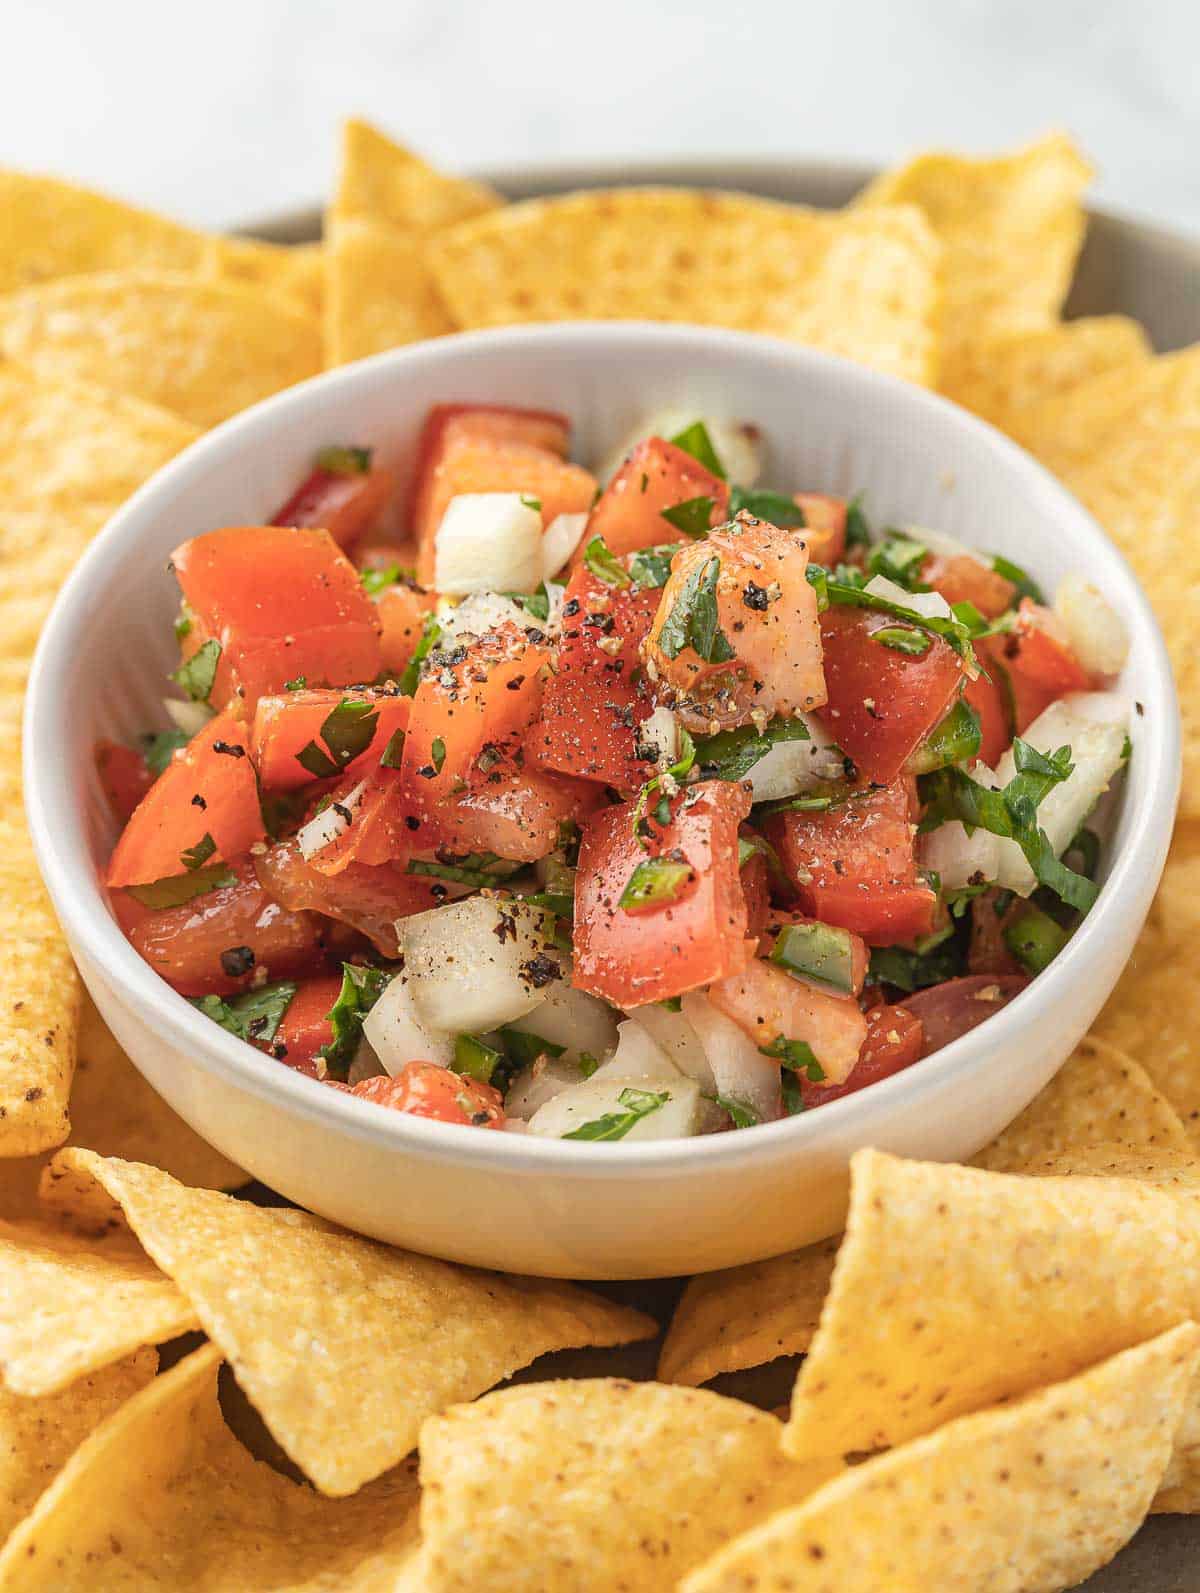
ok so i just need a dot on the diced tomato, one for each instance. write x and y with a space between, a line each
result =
426 1090
202 809
882 702
486 695
630 959
515 812
384 828
824 526
347 506
962 578
989 698
368 899
592 706
305 1026
988 951
859 955
656 476
402 611
488 448
1036 660
285 725
756 887
950 1010
767 655
224 940
768 1005
894 1041
281 603
855 865
125 776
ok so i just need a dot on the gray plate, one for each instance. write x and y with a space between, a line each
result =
1127 266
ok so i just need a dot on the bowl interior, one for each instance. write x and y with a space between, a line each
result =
829 425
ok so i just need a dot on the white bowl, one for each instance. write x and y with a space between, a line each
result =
510 1201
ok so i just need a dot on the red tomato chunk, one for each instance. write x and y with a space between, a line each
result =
426 1090
656 476
347 506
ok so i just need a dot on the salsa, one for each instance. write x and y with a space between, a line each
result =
650 808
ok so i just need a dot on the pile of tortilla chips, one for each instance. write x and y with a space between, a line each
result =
1000 1371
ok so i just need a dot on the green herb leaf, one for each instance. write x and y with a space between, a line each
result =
846 594
197 673
437 753
588 1063
536 604
603 564
392 754
732 754
911 970
858 532
654 882
532 503
430 636
361 989
955 739
296 685
476 870
903 639
773 506
651 567
347 731
524 1049
899 558
742 1113
255 1015
693 516
694 440
159 746
797 1055
476 1058
339 460
678 771
615 1125
376 581
183 623
693 620
179 888
194 857
793 1100
1024 582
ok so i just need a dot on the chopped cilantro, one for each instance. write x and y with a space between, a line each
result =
254 1015
179 888
694 440
197 673
772 506
693 620
437 754
797 1055
615 1125
159 746
430 637
194 857
347 732
899 558
1021 579
903 639
742 1113
339 460
391 755
361 989
651 567
858 532
693 516
604 565
731 754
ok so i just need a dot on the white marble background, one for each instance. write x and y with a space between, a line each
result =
219 110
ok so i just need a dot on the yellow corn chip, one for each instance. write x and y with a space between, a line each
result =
297 270
163 1496
1011 228
745 1316
621 1485
1002 377
862 284
203 350
38 1436
343 1345
69 1305
1034 1495
387 204
955 1288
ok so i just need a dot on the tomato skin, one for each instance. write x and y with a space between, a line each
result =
756 887
515 812
630 959
592 708
962 578
207 789
987 951
284 725
282 603
824 526
894 1041
426 1090
1039 665
950 1010
855 866
347 506
305 1026
402 611
369 899
655 476
882 703
767 1004
184 944
986 694
125 776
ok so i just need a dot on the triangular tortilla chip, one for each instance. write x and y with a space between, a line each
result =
38 1436
202 350
386 206
163 1496
297 270
1011 228
70 1305
344 1346
859 284
1034 1495
621 1485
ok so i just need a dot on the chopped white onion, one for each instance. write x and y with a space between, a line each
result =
559 541
946 547
795 766
535 1085
674 1035
740 1071
931 605
488 542
957 858
1094 629
637 1053
680 1116
660 731
477 614
468 962
330 823
366 1065
571 1018
397 1034
190 717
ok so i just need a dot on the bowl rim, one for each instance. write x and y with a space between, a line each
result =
80 902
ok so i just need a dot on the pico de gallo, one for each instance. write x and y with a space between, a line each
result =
637 805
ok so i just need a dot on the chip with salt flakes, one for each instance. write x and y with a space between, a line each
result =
956 1287
399 1335
1011 227
38 1436
1038 1494
621 1485
202 350
163 1496
861 284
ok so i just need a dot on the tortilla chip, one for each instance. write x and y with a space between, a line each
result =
202 350
862 284
162 1496
955 1288
1011 228
636 1482
38 1436
1034 1495
1100 1096
1001 378
745 1316
342 1345
296 270
386 206
69 1305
